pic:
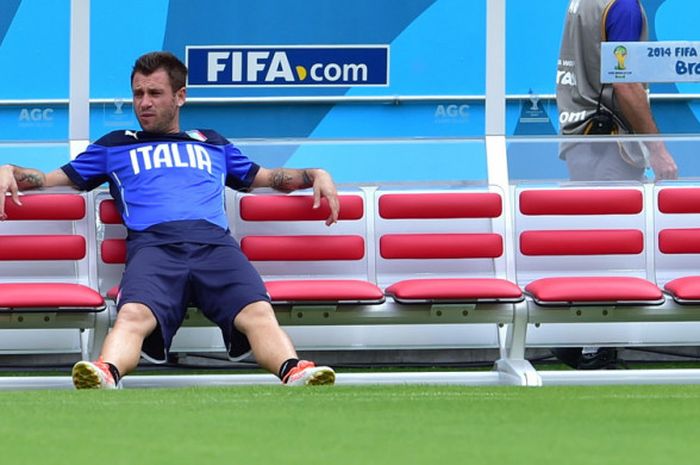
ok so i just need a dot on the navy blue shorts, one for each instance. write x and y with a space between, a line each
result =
218 279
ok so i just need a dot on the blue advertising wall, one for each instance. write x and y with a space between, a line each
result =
427 123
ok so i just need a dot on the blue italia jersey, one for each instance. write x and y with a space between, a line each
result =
160 178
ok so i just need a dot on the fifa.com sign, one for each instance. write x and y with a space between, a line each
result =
287 66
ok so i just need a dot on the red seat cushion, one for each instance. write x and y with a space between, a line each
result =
324 290
582 242
113 293
455 289
440 205
301 248
65 207
686 289
679 200
109 214
50 295
42 247
427 246
113 251
679 241
593 290
298 208
581 202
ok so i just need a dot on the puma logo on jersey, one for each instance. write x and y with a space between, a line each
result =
159 156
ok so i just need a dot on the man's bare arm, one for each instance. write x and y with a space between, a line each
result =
14 179
289 179
632 98
284 179
29 179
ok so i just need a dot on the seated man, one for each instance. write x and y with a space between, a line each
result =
169 188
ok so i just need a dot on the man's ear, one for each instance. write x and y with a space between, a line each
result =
181 96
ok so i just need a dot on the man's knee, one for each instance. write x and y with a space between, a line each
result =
137 317
254 315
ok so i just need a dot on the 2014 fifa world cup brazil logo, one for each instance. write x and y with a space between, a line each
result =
620 53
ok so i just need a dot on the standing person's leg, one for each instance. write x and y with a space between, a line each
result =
612 166
581 160
599 161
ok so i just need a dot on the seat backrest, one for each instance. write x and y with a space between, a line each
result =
285 238
579 231
438 234
111 240
676 232
45 239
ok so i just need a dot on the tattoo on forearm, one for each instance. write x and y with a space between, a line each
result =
282 181
288 180
306 180
30 180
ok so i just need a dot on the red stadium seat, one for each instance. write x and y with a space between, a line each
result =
580 262
302 260
677 217
456 258
44 267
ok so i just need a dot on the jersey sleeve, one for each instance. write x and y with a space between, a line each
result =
240 170
624 21
89 169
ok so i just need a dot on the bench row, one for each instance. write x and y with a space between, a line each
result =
466 255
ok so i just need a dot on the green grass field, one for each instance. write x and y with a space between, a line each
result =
353 425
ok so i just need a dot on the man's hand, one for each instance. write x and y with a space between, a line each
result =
634 103
8 183
662 164
291 179
325 187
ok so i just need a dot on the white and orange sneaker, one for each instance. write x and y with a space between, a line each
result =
93 375
308 374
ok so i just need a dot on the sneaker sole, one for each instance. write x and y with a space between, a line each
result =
321 377
85 377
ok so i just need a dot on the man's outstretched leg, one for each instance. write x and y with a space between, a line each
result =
273 349
120 352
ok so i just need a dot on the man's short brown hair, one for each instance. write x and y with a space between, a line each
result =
151 62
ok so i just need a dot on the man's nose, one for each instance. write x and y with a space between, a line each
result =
145 102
